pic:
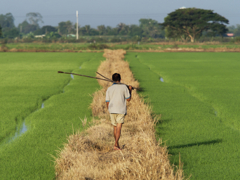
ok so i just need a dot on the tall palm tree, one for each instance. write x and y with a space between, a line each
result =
87 29
101 29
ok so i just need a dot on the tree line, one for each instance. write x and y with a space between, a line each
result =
234 29
31 27
187 24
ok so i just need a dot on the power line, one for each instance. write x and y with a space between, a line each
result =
112 16
137 14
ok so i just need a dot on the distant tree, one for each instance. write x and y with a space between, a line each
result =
0 31
87 29
45 30
11 33
123 29
39 32
102 30
151 28
81 31
30 35
69 26
135 30
111 31
191 22
62 28
231 28
171 33
34 18
7 21
26 28
237 30
66 27
234 29
94 32
52 35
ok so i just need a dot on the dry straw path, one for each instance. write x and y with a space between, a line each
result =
90 154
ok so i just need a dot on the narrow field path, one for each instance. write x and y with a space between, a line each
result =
90 155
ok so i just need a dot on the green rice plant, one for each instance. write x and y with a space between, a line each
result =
199 104
28 80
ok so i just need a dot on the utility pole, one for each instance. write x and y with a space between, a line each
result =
77 25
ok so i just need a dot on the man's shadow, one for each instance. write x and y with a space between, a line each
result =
196 144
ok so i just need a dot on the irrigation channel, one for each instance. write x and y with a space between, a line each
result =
20 130
23 128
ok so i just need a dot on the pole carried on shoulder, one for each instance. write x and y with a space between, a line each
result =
104 79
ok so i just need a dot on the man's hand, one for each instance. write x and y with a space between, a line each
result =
130 88
130 91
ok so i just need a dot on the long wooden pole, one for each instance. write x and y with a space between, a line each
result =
105 78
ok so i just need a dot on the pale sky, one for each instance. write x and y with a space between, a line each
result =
112 12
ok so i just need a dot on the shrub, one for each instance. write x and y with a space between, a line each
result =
98 46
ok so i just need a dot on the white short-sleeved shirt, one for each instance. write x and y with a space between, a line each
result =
116 95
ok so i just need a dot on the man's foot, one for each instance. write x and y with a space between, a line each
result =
116 148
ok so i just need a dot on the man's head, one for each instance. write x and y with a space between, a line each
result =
116 77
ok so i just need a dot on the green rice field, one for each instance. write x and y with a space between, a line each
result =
45 107
197 95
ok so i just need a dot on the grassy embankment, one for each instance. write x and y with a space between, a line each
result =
75 47
199 103
28 79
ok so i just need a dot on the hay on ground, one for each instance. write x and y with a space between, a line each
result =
90 154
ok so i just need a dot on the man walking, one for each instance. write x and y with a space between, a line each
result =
116 97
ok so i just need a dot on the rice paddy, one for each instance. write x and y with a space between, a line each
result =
199 104
30 81
197 95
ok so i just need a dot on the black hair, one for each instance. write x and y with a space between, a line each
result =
116 77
